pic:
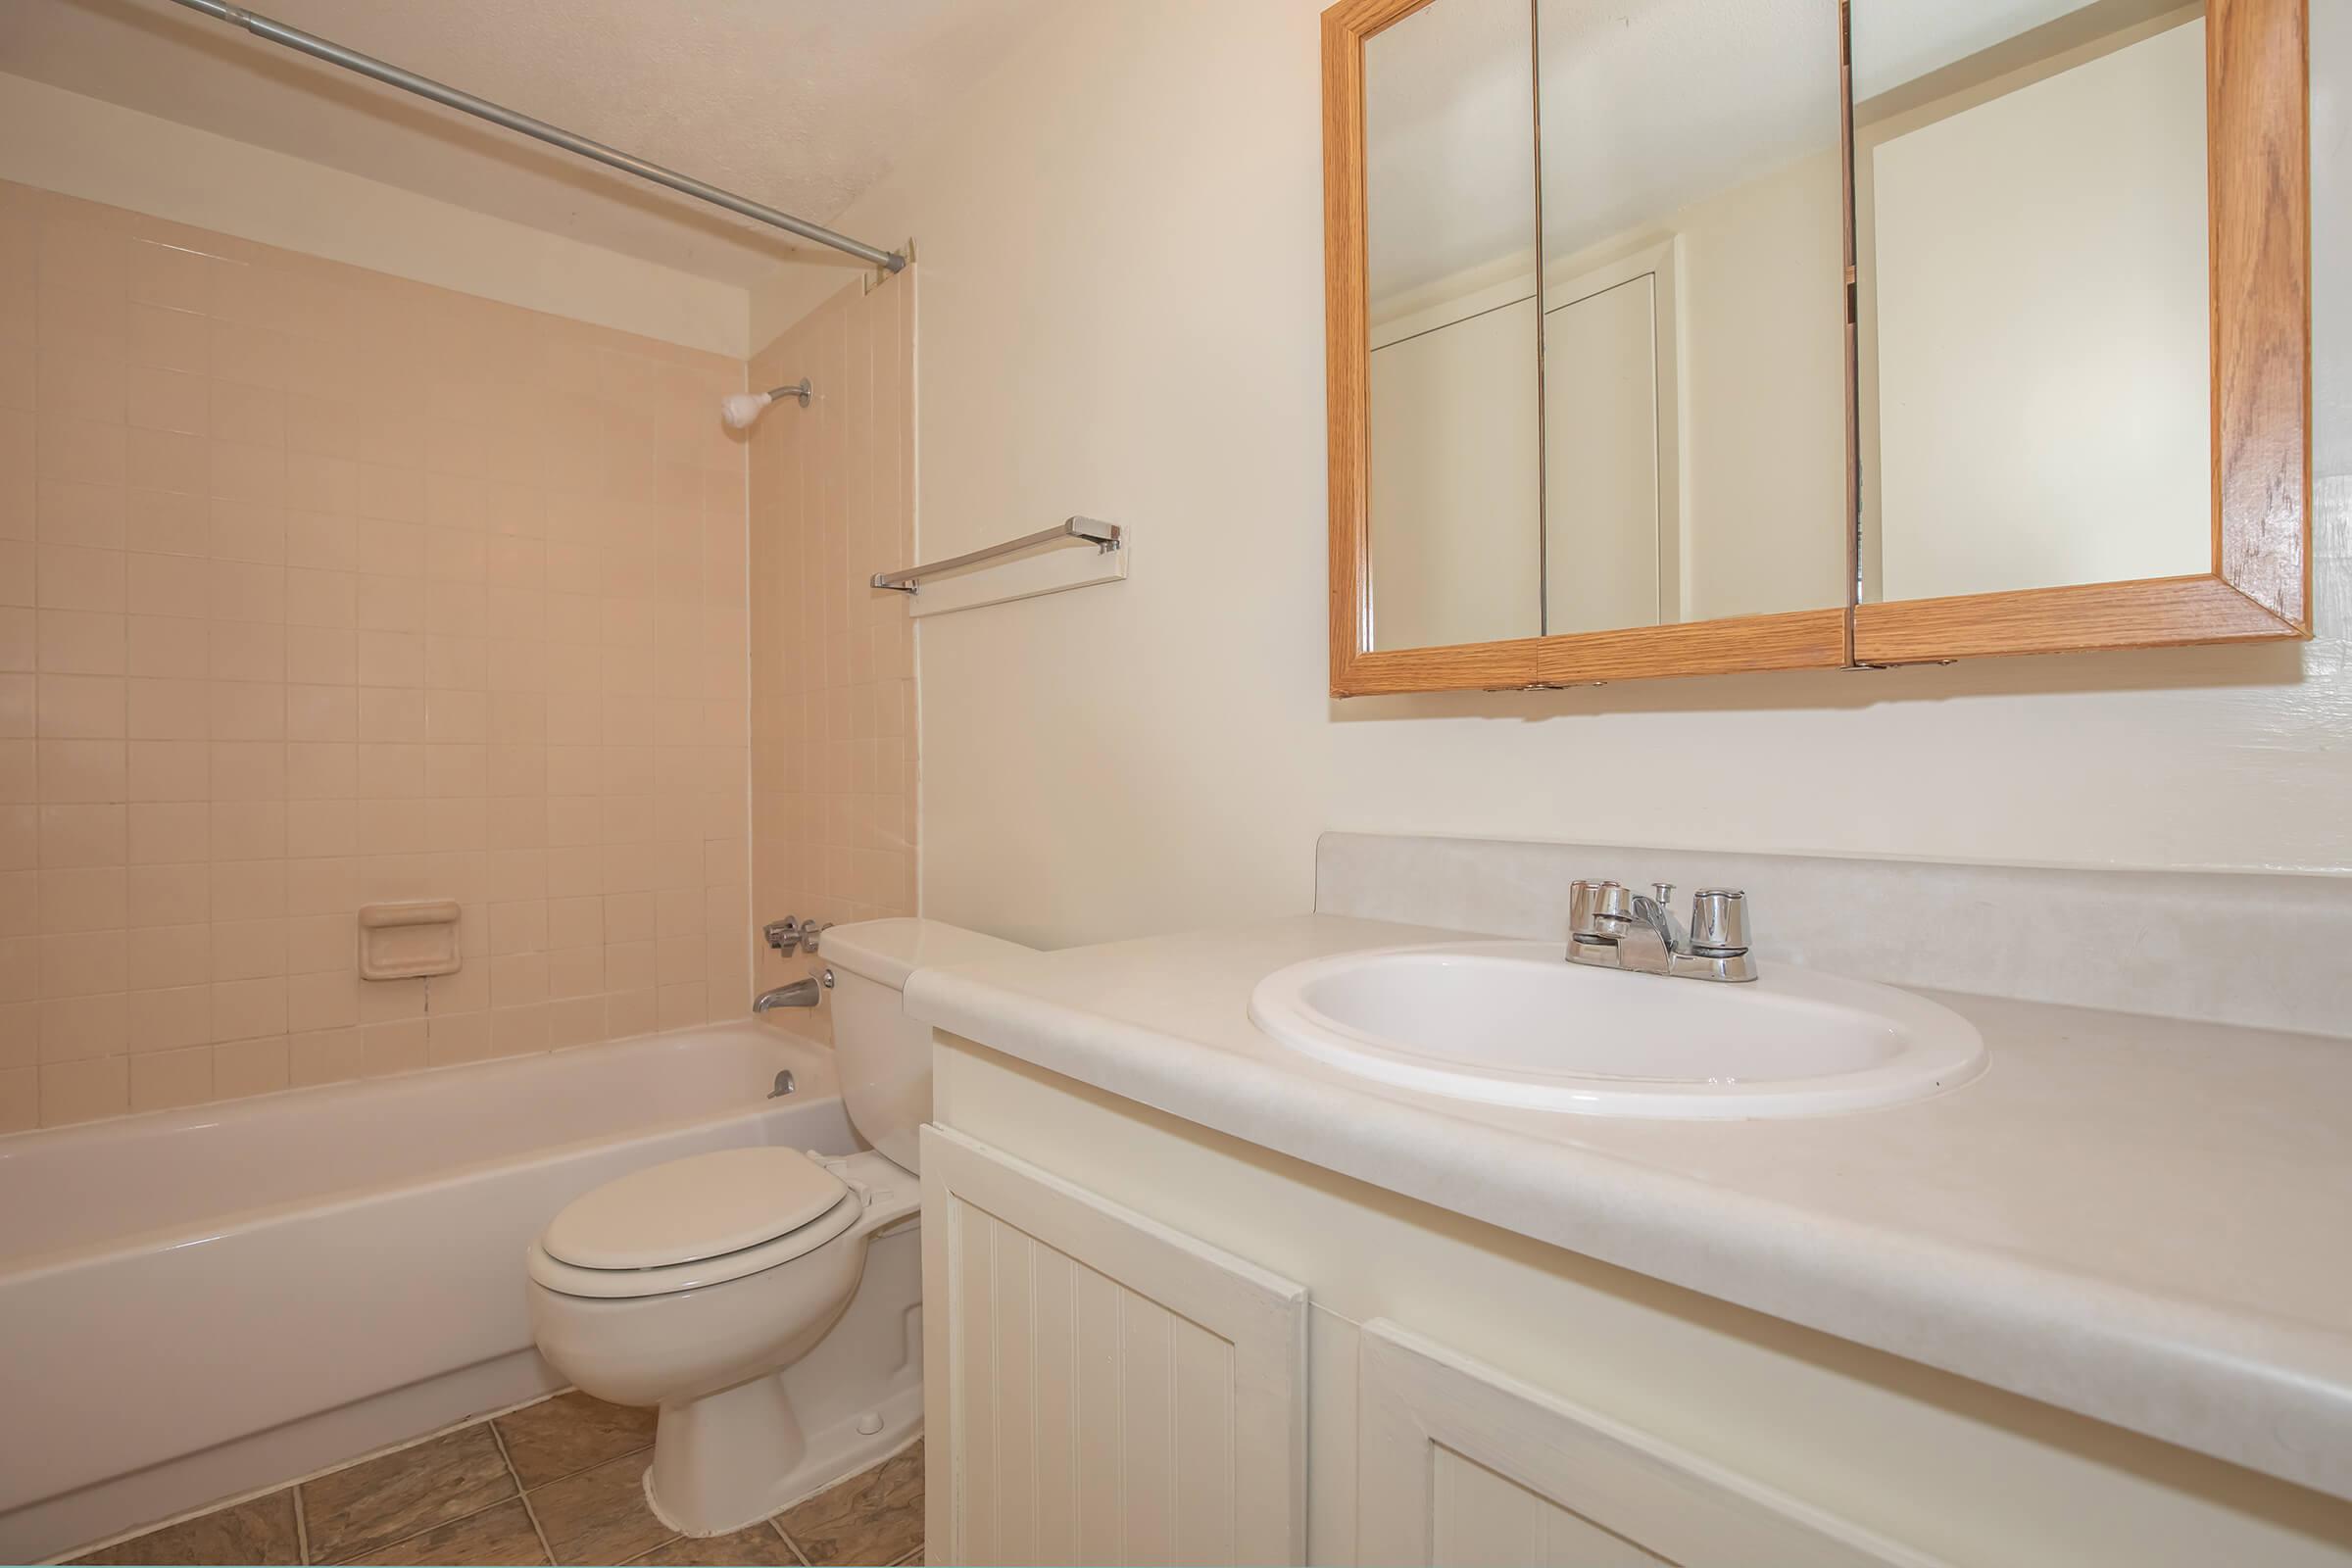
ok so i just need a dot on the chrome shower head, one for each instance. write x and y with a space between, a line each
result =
741 408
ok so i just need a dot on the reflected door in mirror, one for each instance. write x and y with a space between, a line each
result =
1455 437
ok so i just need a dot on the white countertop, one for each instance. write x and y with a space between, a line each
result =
2142 1220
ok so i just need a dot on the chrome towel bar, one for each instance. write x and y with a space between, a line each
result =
1105 536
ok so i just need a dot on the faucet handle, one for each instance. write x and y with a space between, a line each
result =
1590 902
783 935
1719 923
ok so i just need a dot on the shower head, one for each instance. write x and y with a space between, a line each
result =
741 409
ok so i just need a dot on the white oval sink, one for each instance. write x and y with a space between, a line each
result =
1514 1023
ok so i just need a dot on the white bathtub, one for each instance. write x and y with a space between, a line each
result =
198 1303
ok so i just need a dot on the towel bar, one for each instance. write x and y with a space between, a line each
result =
1104 536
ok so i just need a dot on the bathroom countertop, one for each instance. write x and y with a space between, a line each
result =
2144 1220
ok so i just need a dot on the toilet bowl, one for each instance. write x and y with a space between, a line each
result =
693 1285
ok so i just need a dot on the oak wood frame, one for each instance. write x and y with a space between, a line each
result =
2258 162
2258 134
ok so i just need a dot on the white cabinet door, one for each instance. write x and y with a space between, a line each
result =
1460 1466
1102 1388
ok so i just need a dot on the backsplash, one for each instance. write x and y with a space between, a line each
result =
2222 947
319 587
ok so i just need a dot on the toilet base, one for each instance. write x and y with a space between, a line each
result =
726 1460
837 1451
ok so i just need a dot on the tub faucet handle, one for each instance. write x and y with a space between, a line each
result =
799 931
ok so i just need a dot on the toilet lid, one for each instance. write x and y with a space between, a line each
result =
684 1210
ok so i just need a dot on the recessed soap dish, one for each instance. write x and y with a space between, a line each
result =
404 940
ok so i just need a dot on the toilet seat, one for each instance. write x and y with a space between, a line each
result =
696 1222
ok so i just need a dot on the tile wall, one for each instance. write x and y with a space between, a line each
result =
319 587
832 503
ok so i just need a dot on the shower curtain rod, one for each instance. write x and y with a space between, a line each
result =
334 54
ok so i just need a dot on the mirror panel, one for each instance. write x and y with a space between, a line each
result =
1654 389
1694 363
1453 501
2034 320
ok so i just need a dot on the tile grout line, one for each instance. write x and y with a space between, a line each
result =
417 1534
302 1526
775 1523
522 1493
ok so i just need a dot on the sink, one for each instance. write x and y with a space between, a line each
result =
1514 1023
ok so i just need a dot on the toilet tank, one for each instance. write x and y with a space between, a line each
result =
884 1056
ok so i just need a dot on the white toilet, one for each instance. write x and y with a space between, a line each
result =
693 1285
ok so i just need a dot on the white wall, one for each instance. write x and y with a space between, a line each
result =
1122 251
101 152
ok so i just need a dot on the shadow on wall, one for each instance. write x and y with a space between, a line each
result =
2262 664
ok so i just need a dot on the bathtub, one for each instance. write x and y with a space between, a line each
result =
196 1303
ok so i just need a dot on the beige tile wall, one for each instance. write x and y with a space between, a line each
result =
832 502
319 587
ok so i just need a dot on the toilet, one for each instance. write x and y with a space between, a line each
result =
693 1284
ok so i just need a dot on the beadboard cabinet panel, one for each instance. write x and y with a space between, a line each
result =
1106 1390
1462 1466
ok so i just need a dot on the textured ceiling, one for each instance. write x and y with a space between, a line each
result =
802 104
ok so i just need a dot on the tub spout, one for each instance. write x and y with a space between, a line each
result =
798 994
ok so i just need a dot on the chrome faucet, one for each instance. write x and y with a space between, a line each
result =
1616 928
798 994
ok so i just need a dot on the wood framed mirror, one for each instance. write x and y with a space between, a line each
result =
1658 349
2110 447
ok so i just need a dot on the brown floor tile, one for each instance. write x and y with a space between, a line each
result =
261 1531
600 1515
876 1517
572 1433
499 1534
352 1512
759 1546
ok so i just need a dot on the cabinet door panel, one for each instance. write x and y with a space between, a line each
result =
1106 1390
1461 1465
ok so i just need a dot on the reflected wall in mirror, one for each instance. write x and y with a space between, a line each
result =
2030 198
2082 325
1694 363
1449 204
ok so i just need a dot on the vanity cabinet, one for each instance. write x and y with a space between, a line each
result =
1106 1389
1115 1392
1459 1463
1150 1343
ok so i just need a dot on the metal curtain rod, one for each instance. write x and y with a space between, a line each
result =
1103 536
334 54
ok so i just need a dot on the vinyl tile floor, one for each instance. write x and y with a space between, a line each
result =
560 1482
